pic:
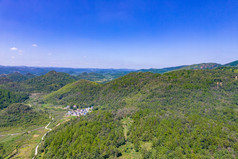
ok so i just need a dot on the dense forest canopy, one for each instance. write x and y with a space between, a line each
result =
21 114
49 82
183 114
8 97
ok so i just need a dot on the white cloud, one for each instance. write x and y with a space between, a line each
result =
34 45
12 57
13 49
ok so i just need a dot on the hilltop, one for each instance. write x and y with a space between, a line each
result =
232 64
200 66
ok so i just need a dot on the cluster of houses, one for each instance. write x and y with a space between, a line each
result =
78 112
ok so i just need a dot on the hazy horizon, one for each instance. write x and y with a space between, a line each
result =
110 34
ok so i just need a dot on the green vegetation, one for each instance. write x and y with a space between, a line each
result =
95 136
80 92
49 82
232 64
91 76
17 77
202 66
162 70
21 114
180 114
17 122
52 81
8 97
4 80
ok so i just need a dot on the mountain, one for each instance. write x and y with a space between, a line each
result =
136 87
15 77
179 114
18 77
79 92
185 67
4 80
202 66
51 81
163 70
232 64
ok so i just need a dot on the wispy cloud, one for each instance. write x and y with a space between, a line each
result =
16 50
34 45
13 49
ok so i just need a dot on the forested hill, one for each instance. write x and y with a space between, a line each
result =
49 82
180 114
200 66
232 64
135 88
22 115
8 97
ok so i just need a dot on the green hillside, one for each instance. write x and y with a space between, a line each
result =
4 80
183 67
149 86
49 82
24 115
81 92
17 77
183 114
162 70
95 136
232 64
20 118
202 66
8 97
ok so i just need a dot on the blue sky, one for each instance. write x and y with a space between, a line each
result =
117 33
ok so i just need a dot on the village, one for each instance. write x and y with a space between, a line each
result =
77 112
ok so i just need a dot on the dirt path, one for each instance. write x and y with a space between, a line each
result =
46 127
49 129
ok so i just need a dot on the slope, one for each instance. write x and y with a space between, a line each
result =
8 97
232 64
183 114
80 92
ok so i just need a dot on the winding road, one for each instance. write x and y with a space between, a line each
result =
49 129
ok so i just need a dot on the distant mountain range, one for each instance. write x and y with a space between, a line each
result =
201 66
114 72
72 71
